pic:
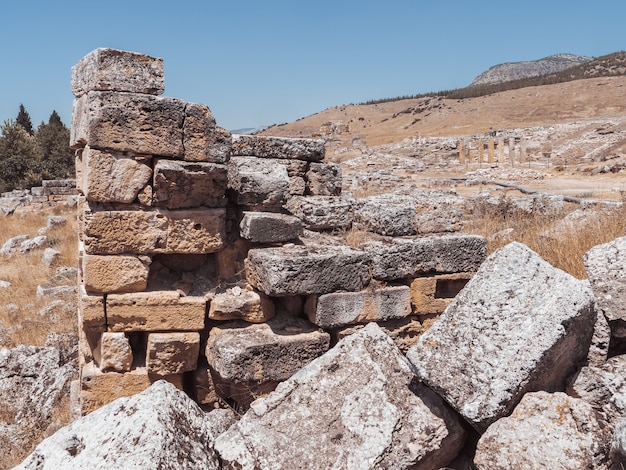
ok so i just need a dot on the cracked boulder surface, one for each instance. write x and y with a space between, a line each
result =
357 406
158 428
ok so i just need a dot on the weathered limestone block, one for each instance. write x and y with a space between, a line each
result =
91 310
604 388
190 231
545 431
241 304
304 270
386 214
115 352
98 388
264 352
361 403
160 427
404 258
518 325
606 269
322 212
172 353
189 184
257 183
439 218
204 141
33 243
345 308
112 176
433 294
129 122
115 274
278 147
114 70
440 212
269 227
324 179
296 169
155 311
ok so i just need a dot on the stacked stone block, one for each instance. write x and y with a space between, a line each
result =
192 264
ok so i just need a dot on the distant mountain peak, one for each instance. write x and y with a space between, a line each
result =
517 70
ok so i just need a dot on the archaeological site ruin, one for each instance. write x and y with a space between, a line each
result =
237 308
192 265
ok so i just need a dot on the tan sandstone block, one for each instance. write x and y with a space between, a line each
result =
112 69
189 184
100 388
91 310
115 274
172 353
192 231
241 304
115 352
155 311
433 294
203 140
113 176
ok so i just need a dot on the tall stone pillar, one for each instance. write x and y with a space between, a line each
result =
490 150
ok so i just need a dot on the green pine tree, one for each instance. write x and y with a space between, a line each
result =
23 119
19 158
53 138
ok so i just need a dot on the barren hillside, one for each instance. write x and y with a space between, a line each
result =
384 123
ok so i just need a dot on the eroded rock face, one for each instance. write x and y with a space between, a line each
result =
386 214
33 382
322 212
112 176
357 406
189 184
264 352
545 431
278 147
257 183
518 325
269 227
606 268
404 258
303 270
115 70
158 428
604 387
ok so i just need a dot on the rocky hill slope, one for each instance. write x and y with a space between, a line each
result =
530 68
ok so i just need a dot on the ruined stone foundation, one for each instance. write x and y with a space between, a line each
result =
196 259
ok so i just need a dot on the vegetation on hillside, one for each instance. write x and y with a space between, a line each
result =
605 66
29 155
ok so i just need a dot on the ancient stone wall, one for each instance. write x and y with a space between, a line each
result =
201 253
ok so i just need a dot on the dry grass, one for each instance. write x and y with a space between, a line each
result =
564 251
21 311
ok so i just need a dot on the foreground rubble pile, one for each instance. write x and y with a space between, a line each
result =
514 374
195 269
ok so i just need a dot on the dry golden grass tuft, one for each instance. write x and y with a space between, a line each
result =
564 250
20 309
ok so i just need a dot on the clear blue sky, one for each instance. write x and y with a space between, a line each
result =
262 62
